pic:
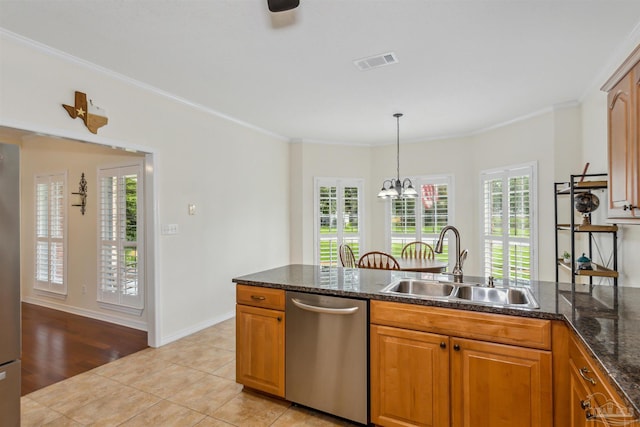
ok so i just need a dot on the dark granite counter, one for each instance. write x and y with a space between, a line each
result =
607 320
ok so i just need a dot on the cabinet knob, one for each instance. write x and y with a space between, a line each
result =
443 344
589 415
456 347
585 404
279 319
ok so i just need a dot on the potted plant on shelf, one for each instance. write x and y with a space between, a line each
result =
566 257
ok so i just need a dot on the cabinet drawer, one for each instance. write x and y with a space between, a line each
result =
260 297
600 396
521 331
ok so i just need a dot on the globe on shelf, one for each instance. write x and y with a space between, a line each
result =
585 203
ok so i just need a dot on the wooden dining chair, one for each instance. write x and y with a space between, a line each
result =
419 250
347 258
379 260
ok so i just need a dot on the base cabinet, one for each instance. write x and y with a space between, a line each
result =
593 401
409 377
260 344
440 375
496 385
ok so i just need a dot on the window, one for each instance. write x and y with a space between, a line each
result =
422 218
509 223
51 233
338 218
120 271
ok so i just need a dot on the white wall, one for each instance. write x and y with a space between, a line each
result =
227 170
550 138
322 160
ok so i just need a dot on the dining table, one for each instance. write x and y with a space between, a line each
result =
422 265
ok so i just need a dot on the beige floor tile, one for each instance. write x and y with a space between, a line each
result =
207 359
132 369
169 381
166 414
227 371
62 422
33 413
207 395
114 408
298 416
212 422
75 392
251 410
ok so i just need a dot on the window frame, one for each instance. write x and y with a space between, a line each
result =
340 183
49 287
506 172
418 181
120 300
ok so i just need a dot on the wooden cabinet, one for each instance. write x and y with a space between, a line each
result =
409 377
623 111
592 400
433 366
260 350
500 385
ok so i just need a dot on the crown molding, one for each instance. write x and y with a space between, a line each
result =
48 50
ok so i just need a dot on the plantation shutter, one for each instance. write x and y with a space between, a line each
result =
338 218
50 253
120 267
508 223
422 218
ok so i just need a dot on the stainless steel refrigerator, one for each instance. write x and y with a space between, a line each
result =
10 340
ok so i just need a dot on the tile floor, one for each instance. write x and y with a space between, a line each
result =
190 382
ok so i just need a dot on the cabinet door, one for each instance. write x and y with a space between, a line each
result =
622 149
497 385
260 349
409 377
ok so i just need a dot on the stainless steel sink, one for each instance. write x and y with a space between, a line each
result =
463 292
420 288
520 297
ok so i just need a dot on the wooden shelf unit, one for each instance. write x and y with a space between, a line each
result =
576 185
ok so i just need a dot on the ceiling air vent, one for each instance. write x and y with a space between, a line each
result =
376 61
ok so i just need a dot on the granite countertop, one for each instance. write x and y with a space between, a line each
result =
607 320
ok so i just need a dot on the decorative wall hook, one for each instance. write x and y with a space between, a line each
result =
81 109
82 192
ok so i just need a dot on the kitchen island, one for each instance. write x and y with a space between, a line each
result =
606 322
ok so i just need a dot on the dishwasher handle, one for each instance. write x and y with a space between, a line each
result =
326 310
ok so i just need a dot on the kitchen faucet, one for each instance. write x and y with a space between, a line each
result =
457 270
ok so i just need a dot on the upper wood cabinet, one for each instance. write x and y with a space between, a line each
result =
623 111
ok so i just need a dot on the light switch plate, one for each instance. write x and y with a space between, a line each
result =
169 229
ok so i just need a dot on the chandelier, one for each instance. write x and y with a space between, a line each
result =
394 188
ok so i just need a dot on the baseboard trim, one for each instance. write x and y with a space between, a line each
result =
135 324
197 327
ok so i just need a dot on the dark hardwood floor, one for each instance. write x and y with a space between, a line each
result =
58 345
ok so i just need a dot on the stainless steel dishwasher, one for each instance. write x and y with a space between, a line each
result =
326 358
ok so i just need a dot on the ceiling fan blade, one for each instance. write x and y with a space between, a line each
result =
282 5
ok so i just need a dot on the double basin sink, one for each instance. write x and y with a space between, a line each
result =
463 292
